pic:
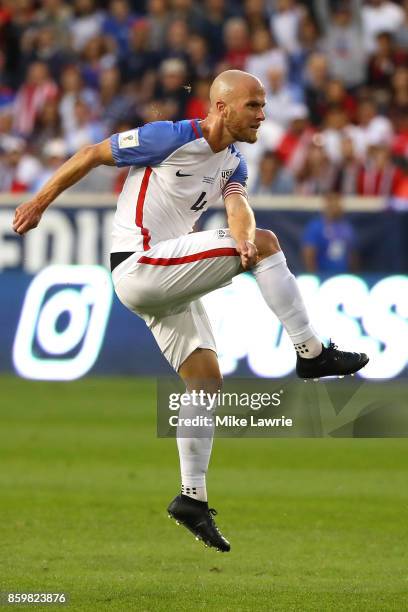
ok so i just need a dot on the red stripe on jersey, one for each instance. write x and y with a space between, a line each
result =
139 208
175 261
196 132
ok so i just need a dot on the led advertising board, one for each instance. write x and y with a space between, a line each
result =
65 322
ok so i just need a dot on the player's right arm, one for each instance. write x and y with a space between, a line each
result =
28 214
148 145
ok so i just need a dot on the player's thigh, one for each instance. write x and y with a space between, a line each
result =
178 271
180 334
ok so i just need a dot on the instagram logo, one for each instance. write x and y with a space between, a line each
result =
63 322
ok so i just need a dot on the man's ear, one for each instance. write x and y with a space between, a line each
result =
220 104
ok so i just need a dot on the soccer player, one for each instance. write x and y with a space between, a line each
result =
160 269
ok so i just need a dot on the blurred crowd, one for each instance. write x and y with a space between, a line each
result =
335 73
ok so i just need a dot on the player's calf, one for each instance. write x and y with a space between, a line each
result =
281 293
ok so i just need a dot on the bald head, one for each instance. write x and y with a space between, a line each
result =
231 84
236 111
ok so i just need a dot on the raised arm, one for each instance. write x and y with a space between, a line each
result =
28 214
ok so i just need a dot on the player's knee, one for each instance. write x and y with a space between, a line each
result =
212 383
267 243
201 371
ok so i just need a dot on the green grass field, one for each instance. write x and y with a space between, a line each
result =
315 524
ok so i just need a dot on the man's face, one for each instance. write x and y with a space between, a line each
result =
244 115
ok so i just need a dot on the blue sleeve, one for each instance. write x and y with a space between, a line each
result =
150 144
311 235
240 174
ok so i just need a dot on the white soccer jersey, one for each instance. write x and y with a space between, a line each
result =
174 177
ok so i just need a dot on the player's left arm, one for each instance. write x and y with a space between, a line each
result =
241 222
241 219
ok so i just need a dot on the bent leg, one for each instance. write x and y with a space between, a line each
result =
175 272
280 291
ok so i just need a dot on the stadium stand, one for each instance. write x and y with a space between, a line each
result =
335 72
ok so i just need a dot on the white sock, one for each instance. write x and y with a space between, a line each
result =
199 493
194 452
281 293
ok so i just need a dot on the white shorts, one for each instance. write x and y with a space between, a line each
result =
164 284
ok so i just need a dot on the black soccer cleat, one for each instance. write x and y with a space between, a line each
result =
330 362
198 518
